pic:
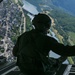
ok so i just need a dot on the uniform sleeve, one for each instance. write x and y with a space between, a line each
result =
16 48
61 49
64 50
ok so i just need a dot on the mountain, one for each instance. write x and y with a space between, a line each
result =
65 4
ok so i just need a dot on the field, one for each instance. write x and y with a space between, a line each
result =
72 37
58 35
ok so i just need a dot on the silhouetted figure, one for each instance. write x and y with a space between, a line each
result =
32 45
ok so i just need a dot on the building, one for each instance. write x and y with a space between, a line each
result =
2 60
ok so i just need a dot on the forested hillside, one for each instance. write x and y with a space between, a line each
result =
64 24
64 20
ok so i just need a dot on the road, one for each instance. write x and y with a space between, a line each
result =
23 18
6 36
